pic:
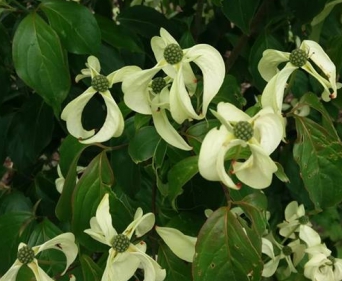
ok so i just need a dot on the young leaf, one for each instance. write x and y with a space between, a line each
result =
39 60
75 25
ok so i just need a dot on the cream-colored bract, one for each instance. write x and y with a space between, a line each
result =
258 169
268 67
122 266
114 122
175 97
64 243
183 246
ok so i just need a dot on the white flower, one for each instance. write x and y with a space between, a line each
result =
296 221
261 134
26 256
114 122
299 58
323 268
59 182
124 257
183 246
175 62
294 248
153 99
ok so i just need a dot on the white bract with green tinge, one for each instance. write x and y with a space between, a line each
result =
124 258
114 122
175 62
261 134
183 246
27 256
309 50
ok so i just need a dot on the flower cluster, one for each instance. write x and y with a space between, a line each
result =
304 242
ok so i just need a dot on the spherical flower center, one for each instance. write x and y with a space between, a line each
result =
243 130
303 220
25 255
173 54
298 57
287 250
100 83
120 243
158 84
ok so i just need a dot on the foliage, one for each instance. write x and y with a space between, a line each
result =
175 152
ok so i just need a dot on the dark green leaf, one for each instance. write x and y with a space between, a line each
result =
34 123
15 202
240 12
94 183
10 225
143 144
301 11
91 271
320 161
138 19
179 175
40 60
225 250
75 25
118 36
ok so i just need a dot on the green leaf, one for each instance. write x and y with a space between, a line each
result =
118 36
91 271
198 131
34 123
15 202
177 269
75 25
301 11
10 225
320 160
179 175
40 61
94 183
143 144
139 20
71 150
240 12
225 250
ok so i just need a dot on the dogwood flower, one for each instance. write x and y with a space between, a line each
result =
124 257
295 221
322 268
72 113
309 50
261 134
294 249
27 256
154 99
175 62
183 246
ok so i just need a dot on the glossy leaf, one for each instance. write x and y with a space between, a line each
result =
143 144
117 36
34 123
138 19
94 183
75 25
10 225
179 175
240 12
91 271
40 60
320 160
225 250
